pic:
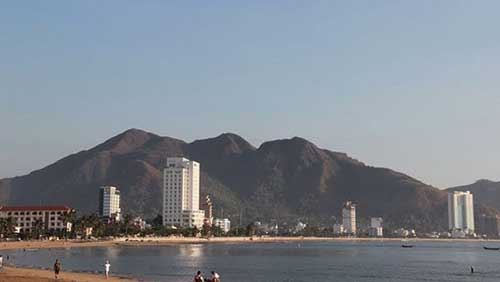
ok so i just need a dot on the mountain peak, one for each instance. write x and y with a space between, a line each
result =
224 144
297 143
126 141
484 181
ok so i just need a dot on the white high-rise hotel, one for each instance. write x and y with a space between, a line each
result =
109 203
181 193
461 211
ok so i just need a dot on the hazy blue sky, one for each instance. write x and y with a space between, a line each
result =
410 85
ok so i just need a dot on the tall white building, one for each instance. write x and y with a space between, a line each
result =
349 218
461 211
109 203
181 193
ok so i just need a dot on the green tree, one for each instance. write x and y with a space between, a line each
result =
68 217
157 221
7 227
251 229
37 229
126 223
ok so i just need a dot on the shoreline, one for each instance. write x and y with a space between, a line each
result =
25 274
152 241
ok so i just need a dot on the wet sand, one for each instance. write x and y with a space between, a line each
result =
15 274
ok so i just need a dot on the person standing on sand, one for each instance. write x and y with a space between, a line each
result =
57 268
1 262
107 265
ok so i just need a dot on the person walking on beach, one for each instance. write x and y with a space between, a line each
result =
198 277
1 262
57 268
107 265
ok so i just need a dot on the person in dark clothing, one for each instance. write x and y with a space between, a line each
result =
198 277
57 268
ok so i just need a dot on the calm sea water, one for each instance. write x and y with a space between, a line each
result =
282 262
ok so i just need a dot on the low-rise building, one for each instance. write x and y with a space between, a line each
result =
376 229
50 218
223 224
338 229
140 223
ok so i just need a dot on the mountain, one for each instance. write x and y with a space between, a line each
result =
486 192
284 180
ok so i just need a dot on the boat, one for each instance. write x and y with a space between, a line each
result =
491 248
406 246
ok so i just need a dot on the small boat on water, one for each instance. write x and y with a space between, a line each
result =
406 246
491 248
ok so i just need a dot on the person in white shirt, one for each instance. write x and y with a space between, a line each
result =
215 277
107 265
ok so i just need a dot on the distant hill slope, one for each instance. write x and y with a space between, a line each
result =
485 192
282 179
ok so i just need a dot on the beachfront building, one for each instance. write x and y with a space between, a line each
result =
376 229
181 194
338 229
223 224
109 203
48 218
461 212
349 218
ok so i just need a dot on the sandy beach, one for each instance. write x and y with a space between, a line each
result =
15 274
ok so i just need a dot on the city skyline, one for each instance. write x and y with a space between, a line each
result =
408 86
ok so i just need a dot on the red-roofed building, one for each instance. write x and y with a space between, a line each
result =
25 217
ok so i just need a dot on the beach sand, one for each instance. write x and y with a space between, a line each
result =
15 274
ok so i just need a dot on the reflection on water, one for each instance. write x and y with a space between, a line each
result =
191 250
112 253
283 262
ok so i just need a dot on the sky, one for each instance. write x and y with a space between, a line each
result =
409 85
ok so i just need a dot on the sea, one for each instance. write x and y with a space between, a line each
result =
307 261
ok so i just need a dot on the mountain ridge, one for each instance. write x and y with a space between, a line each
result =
283 179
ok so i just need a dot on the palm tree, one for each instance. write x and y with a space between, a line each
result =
37 229
68 217
7 227
127 218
